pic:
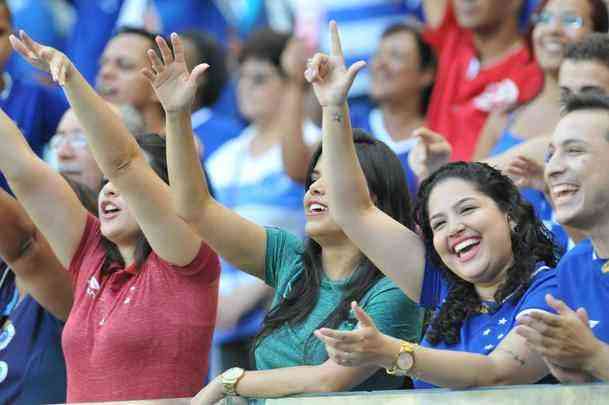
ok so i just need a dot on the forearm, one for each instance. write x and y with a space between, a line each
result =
347 188
190 191
113 147
295 153
17 228
599 366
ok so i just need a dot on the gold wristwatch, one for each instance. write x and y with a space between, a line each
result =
230 378
404 361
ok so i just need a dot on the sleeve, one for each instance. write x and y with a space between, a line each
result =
283 249
437 37
91 237
393 313
434 288
206 260
545 282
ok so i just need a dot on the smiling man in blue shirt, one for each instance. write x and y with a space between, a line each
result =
575 340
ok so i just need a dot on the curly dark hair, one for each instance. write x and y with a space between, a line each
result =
532 243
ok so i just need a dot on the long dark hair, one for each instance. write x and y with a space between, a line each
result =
386 181
532 243
153 146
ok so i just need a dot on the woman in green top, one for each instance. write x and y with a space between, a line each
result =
314 282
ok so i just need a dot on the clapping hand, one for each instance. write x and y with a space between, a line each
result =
43 57
328 74
174 86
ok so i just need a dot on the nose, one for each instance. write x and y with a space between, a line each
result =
109 191
455 227
65 151
316 188
554 166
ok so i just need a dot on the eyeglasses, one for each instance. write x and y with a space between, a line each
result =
257 79
572 21
76 140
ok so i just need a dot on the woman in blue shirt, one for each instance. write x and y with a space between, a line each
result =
480 261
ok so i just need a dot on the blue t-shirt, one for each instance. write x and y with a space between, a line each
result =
35 109
372 123
213 129
32 367
483 332
583 283
94 25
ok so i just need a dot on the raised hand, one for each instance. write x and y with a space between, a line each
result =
360 347
328 74
429 154
174 86
43 57
526 173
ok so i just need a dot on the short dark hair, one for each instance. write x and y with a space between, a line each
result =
584 101
150 36
427 55
211 52
593 47
266 45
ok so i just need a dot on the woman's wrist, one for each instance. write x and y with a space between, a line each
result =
389 350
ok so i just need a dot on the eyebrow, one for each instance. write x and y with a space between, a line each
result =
461 201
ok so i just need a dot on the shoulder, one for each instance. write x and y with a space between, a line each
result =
282 241
577 258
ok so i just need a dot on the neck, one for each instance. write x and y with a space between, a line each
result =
339 259
486 290
600 239
128 253
402 116
154 119
494 43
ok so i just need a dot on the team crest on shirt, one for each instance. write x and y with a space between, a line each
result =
499 96
92 286
3 370
6 334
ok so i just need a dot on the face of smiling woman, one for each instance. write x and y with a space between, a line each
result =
471 234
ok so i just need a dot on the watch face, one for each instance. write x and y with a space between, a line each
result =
405 361
233 373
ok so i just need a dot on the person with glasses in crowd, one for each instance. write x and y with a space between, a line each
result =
248 175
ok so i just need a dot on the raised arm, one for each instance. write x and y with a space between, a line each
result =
119 157
239 241
397 251
30 257
512 362
295 153
44 194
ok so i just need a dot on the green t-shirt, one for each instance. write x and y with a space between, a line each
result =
393 313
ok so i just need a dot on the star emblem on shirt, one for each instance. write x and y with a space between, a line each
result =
502 321
488 347
500 336
486 332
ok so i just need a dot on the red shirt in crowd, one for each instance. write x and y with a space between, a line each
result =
465 93
138 334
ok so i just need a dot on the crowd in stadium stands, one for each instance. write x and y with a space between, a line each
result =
212 199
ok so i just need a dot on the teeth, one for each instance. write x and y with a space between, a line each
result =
110 207
316 207
563 188
459 247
